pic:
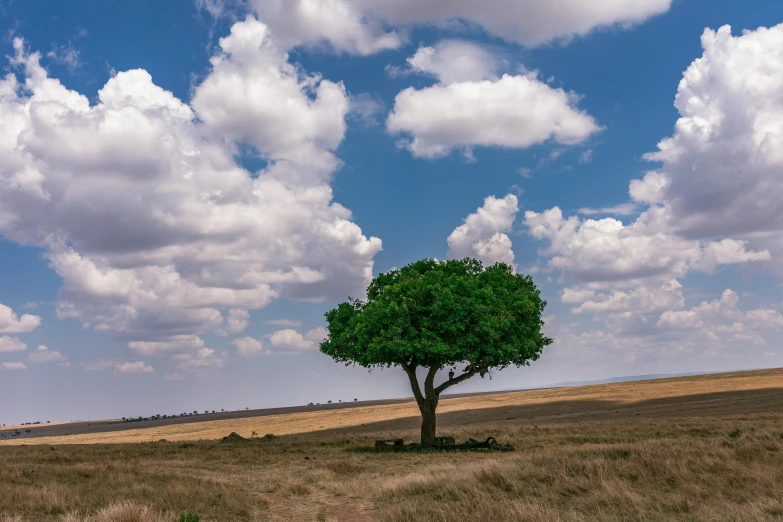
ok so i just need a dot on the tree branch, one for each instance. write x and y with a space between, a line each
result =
410 369
456 380
429 382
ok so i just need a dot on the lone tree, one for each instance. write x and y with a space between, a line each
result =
436 315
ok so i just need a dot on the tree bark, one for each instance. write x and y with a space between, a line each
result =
427 401
428 423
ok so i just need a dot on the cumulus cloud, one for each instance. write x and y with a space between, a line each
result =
11 344
368 26
291 341
512 112
254 96
11 323
43 354
715 201
639 299
453 61
12 366
606 250
483 236
237 321
715 334
722 319
134 367
721 167
158 234
335 23
248 346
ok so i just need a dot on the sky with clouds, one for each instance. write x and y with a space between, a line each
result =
187 187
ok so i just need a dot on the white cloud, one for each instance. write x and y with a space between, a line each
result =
649 190
248 346
722 320
336 23
453 61
11 344
487 113
638 299
483 236
291 341
237 321
12 366
11 323
142 210
717 198
254 96
317 335
361 26
173 377
134 367
44 355
721 168
607 251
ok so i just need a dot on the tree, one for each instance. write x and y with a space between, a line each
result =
433 315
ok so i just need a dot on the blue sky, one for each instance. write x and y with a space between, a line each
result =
172 238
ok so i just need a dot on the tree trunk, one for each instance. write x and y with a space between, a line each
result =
428 424
427 401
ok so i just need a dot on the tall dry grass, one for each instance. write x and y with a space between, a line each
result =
121 512
726 468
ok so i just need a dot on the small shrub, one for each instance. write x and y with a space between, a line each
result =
190 517
735 434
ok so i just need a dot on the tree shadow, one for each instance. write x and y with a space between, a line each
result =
715 404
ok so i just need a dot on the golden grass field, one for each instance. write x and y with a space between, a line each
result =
692 448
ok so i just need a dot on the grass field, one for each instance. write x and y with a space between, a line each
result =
692 448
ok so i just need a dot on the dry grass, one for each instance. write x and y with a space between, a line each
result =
687 457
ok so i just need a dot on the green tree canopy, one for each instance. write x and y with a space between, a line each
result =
437 314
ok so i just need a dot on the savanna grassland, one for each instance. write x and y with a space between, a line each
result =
692 448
